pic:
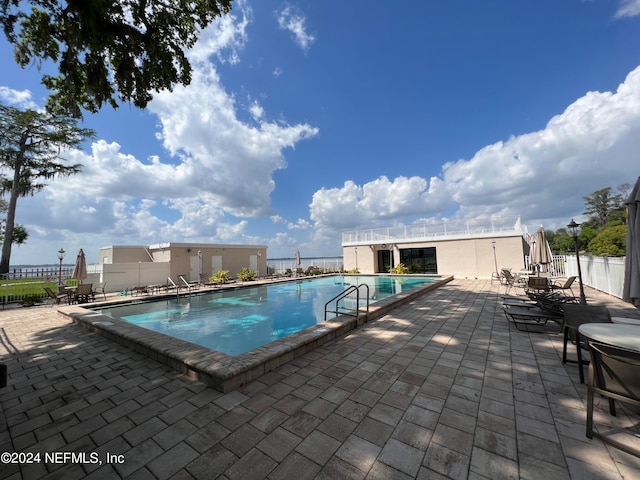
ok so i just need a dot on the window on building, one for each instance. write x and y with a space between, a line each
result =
419 260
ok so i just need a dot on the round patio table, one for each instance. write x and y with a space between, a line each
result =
627 320
616 334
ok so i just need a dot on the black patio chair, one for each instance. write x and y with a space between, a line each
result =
575 315
614 373
526 317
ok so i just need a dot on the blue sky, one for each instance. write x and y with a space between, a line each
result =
306 119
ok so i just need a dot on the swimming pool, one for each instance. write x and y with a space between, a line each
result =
239 320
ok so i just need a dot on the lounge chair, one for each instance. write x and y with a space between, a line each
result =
55 297
139 290
523 318
536 309
614 372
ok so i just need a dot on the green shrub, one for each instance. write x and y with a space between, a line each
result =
247 274
31 300
221 276
400 269
611 242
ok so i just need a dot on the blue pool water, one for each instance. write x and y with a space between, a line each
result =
238 320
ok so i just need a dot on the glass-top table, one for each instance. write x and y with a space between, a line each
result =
617 334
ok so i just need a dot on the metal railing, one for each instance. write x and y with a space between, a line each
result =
343 309
324 264
445 229
557 267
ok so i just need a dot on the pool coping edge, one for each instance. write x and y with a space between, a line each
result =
225 372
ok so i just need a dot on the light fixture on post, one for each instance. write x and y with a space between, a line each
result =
61 253
574 231
495 261
259 257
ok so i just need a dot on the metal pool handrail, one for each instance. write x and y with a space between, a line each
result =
344 310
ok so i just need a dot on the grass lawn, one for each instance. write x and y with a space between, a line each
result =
28 289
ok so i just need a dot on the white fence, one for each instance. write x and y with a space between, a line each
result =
602 273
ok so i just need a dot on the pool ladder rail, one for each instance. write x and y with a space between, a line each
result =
177 286
343 309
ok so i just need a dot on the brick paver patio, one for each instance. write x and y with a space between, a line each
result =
441 388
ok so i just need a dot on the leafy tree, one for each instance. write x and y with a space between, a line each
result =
602 205
20 233
587 233
561 242
611 242
19 236
132 46
31 148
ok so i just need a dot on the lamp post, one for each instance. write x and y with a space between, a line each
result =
61 253
495 259
574 231
259 257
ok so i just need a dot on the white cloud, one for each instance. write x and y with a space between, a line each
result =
257 112
628 8
229 160
220 166
224 38
541 175
18 98
370 204
292 20
300 224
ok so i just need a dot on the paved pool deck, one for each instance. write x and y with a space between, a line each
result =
441 387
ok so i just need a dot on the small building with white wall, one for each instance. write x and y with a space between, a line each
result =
124 266
464 248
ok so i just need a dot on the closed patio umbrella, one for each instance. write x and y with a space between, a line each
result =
631 287
542 252
80 269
